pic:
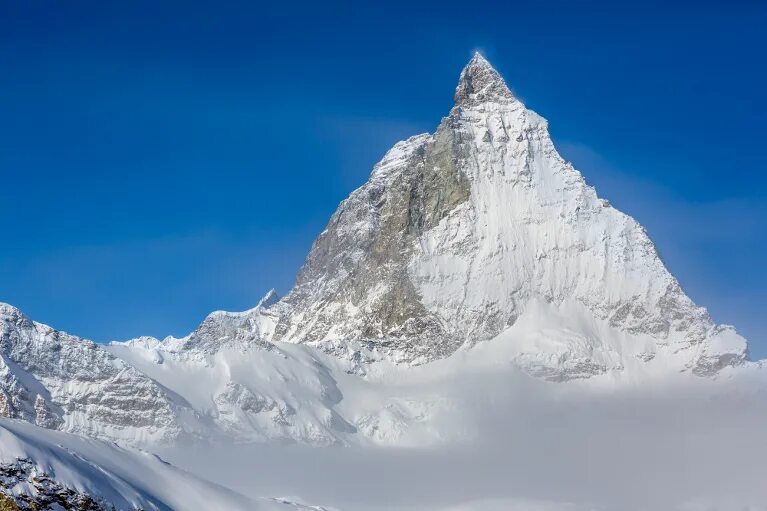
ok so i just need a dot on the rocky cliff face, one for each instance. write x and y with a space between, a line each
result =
59 381
147 392
456 234
479 232
355 285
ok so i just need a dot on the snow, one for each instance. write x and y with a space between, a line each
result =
480 335
126 478
627 447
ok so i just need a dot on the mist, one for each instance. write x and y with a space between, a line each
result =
530 445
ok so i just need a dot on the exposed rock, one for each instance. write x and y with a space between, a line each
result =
42 492
56 380
479 232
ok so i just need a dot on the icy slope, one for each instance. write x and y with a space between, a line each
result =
51 469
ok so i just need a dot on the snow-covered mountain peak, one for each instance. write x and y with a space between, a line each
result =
480 82
477 238
459 236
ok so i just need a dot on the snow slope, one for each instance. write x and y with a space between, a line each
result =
50 466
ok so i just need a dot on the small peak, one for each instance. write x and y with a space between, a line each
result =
480 82
11 315
8 310
269 299
479 60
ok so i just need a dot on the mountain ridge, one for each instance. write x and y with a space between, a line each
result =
480 233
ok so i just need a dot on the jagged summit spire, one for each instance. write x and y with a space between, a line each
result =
480 82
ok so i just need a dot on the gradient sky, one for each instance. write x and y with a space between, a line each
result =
160 160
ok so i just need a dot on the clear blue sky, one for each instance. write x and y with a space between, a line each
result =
160 160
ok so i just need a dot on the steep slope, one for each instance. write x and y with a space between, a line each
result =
207 386
250 392
60 381
42 469
146 392
457 235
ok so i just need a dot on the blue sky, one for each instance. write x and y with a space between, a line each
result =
160 160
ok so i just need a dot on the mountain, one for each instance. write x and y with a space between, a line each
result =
60 381
459 235
477 236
